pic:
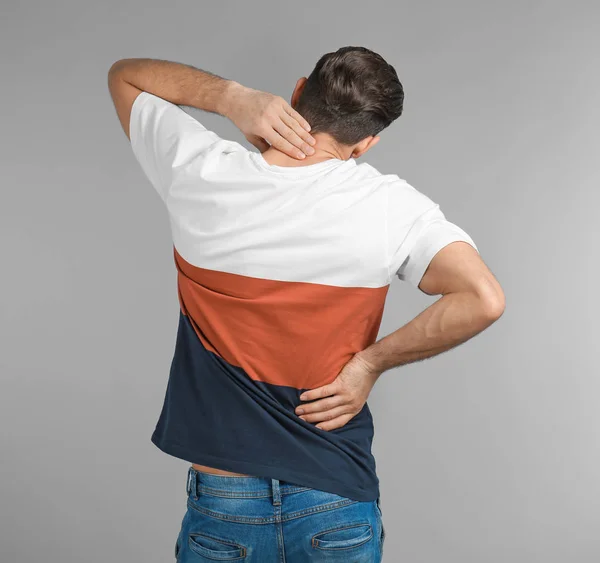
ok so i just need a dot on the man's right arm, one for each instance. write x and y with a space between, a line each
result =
471 301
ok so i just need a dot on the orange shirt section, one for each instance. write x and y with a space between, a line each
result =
285 333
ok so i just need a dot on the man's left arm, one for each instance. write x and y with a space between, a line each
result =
264 119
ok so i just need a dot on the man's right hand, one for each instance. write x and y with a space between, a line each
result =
266 119
335 404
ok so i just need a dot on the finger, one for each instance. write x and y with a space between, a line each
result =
335 423
320 405
293 133
328 414
258 142
305 137
290 135
279 142
293 113
320 392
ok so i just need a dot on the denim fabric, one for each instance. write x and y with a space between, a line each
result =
262 520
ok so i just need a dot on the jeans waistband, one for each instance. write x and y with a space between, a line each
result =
229 486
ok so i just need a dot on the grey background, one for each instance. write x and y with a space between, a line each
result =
488 453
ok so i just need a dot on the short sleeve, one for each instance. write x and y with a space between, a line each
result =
165 139
418 230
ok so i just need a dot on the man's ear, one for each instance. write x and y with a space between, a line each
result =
364 146
298 91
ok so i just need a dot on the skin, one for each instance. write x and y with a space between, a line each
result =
471 297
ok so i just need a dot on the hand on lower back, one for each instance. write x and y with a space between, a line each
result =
265 119
334 404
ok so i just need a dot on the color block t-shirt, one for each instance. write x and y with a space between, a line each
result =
282 276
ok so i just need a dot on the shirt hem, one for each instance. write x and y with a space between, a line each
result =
261 470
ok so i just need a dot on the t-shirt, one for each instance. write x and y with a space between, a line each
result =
282 276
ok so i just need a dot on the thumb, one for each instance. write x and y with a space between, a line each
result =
258 142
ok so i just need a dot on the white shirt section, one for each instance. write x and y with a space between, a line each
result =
335 222
418 230
165 139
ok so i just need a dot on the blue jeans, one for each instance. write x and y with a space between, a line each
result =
262 520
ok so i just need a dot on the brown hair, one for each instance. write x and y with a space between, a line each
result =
351 94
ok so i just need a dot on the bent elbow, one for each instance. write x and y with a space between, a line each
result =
117 68
493 305
114 68
490 299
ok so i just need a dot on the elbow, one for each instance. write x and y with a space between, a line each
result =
492 304
490 299
113 72
494 309
117 68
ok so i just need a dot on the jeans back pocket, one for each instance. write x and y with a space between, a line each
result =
216 549
345 537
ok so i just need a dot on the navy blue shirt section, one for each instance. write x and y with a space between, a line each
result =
215 415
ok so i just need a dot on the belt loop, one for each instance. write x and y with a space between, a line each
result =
276 492
188 487
192 484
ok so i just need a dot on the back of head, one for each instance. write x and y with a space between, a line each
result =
351 94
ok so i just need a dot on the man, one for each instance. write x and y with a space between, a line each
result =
284 259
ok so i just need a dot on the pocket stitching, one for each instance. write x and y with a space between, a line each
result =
205 551
315 541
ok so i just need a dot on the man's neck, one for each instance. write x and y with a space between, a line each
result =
324 150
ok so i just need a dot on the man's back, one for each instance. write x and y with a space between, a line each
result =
282 277
283 270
